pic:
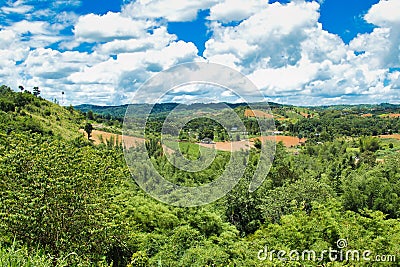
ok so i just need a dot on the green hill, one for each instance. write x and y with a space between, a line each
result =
24 112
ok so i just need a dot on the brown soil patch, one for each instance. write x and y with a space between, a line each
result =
305 115
366 115
394 116
128 141
391 136
229 146
288 141
257 114
97 135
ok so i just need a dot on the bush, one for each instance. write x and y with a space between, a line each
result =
55 195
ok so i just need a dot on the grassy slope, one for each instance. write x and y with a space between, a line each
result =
30 113
58 119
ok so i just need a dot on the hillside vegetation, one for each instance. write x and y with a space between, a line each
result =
24 112
67 202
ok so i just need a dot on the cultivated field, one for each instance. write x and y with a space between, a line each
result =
288 141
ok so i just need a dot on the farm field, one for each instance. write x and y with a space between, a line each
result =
288 141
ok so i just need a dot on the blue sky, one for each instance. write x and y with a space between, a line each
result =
297 52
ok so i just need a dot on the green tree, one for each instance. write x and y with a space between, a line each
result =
257 143
88 129
36 91
90 115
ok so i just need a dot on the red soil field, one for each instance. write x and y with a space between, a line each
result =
288 141
257 114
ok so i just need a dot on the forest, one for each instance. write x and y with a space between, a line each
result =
65 201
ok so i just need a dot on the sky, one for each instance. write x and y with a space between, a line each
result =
299 52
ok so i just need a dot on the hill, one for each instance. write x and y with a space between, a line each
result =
24 112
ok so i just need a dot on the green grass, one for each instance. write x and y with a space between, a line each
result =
21 257
57 119
385 150
189 150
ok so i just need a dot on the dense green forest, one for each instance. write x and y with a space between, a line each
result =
67 202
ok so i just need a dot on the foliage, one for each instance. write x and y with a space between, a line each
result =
88 129
67 202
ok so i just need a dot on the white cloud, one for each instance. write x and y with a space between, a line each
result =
96 28
158 39
235 10
35 27
285 52
383 45
288 78
384 13
16 8
281 47
177 10
129 70
270 38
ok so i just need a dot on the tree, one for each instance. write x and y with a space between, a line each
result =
90 115
36 91
88 129
70 109
257 143
21 88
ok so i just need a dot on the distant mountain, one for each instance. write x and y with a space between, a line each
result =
119 111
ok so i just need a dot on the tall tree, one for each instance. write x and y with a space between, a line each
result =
88 129
36 91
90 115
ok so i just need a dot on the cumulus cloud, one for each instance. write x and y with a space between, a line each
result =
177 10
157 39
383 45
385 13
129 70
285 52
282 48
234 10
270 38
96 28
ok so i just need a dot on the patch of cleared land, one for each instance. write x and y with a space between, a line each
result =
130 141
257 114
98 136
288 141
391 136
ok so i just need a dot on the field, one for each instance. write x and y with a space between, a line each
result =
288 141
257 114
390 136
101 137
